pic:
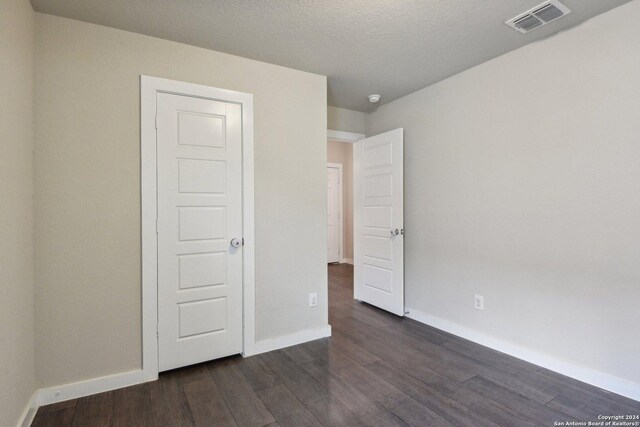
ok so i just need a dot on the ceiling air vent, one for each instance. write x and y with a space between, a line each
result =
527 22
538 16
548 13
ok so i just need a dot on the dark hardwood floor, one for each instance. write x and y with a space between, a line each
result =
376 369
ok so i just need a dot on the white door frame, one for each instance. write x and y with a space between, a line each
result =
149 87
338 135
351 138
340 209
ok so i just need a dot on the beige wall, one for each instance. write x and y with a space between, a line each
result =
88 191
342 152
522 184
17 381
345 120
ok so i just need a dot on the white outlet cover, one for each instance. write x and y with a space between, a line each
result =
479 302
313 299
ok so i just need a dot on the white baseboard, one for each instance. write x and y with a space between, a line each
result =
590 376
47 396
292 339
29 412
346 261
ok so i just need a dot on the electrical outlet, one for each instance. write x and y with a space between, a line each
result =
313 299
479 302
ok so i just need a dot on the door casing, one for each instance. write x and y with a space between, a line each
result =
149 87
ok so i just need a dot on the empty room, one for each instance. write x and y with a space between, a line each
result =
320 213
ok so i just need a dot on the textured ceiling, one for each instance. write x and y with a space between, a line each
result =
390 47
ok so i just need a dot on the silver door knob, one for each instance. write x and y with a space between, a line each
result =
395 232
236 243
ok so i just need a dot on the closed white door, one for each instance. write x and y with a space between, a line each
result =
378 221
334 213
199 173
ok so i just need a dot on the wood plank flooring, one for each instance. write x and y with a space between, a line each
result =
376 370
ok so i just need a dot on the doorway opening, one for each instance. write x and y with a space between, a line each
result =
340 215
340 196
365 232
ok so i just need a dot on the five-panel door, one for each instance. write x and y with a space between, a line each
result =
199 177
378 221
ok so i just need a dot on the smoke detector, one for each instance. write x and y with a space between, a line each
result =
538 16
374 98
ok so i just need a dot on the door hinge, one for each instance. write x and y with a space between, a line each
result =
157 331
156 121
156 225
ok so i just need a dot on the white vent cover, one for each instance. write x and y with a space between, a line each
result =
538 16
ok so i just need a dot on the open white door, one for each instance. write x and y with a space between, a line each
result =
378 221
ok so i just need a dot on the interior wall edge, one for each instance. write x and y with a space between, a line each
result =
17 290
